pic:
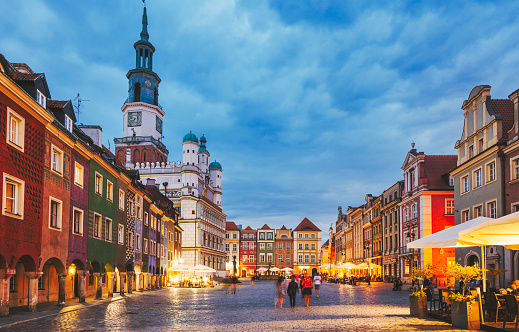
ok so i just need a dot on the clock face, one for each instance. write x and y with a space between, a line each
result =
134 119
148 83
159 125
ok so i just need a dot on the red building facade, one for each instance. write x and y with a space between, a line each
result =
248 255
427 207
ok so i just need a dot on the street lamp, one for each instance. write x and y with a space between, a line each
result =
410 237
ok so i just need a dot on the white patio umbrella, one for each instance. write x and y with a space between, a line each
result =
275 269
348 265
203 268
180 267
262 269
287 269
503 231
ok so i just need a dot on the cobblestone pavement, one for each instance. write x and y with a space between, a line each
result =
339 308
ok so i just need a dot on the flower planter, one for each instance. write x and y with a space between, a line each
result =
418 306
465 315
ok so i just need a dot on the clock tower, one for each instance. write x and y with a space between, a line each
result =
142 114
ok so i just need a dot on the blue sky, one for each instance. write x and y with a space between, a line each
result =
307 105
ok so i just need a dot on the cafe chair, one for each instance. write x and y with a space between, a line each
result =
432 301
445 302
492 304
511 309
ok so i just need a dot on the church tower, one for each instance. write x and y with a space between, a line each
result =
142 114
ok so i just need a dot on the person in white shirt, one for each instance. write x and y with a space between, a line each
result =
317 283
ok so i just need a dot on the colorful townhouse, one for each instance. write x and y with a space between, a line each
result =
232 248
284 248
265 247
390 215
248 252
307 246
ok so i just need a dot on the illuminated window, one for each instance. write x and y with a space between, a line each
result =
98 184
109 191
108 234
120 234
57 160
98 220
121 200
78 175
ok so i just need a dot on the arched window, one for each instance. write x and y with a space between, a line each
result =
136 156
137 92
473 261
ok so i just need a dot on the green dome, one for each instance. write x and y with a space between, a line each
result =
215 165
190 137
202 147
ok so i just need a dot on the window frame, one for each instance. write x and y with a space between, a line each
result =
79 177
121 199
98 184
449 207
19 186
489 210
476 208
81 221
488 172
463 213
120 234
108 233
59 153
145 246
109 191
477 180
464 188
41 99
20 130
514 169
59 214
99 225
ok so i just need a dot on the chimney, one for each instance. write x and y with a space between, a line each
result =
95 133
150 182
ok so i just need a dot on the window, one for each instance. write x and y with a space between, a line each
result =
120 234
262 258
449 206
287 245
14 196
269 236
121 199
471 151
300 258
56 160
312 259
227 247
138 241
300 235
97 225
251 258
269 246
139 206
234 247
300 246
245 236
78 175
251 236
491 171
478 211
251 246
227 235
313 246
235 236
307 246
306 236
145 248
15 130
478 180
55 213
413 211
130 239
464 215
287 258
244 245
280 258
262 246
465 184
146 216
269 257
109 191
280 245
313 236
99 184
515 207
41 99
307 258
262 236
108 234
491 210
514 168
78 221
68 123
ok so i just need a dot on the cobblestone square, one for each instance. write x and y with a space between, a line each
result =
339 308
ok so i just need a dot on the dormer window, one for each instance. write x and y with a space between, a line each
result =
41 99
68 123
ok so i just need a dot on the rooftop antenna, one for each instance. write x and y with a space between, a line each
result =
77 106
108 144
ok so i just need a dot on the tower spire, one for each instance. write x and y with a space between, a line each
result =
144 32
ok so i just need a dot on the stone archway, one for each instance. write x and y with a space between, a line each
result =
469 257
52 283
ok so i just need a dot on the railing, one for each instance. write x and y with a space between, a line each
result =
144 99
132 139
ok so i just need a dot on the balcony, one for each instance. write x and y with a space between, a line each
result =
136 139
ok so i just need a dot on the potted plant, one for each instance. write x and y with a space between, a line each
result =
465 309
418 298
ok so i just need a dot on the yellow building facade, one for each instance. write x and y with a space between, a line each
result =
307 248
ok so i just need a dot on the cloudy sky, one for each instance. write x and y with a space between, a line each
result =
307 105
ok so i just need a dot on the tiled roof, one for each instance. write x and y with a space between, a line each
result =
23 77
22 67
283 228
56 103
435 167
248 228
325 245
505 108
265 227
306 225
231 226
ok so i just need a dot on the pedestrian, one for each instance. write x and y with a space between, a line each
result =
234 283
280 291
306 285
252 280
335 278
317 284
292 290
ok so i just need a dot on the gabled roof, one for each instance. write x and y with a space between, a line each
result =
231 226
265 227
325 245
505 108
306 225
248 228
283 228
435 168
